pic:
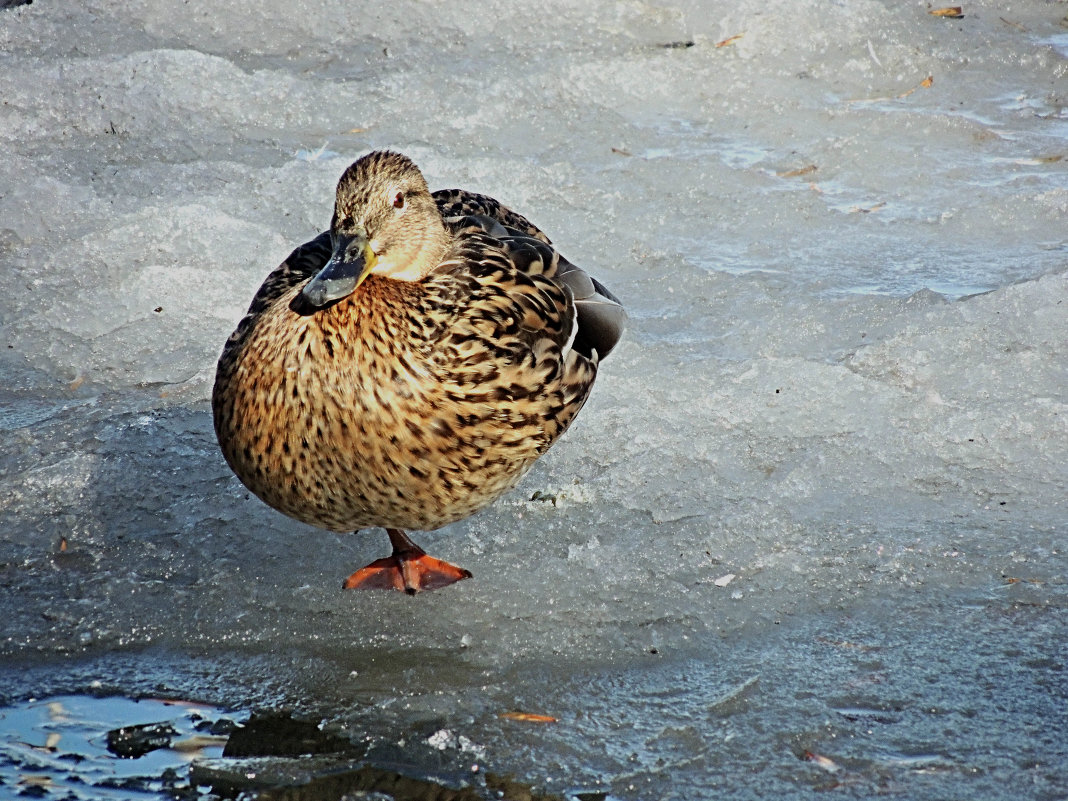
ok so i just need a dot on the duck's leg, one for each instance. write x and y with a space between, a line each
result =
408 568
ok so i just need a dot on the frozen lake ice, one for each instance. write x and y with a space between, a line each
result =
810 530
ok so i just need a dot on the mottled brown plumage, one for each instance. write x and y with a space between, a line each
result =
407 367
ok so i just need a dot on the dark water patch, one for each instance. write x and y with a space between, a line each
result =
79 746
75 747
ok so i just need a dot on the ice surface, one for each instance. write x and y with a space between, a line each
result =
844 382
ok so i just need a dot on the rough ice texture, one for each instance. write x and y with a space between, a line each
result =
844 380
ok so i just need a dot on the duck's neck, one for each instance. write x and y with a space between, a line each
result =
421 254
436 241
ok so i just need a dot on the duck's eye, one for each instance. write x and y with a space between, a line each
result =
398 200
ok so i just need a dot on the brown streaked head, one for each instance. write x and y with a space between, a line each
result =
385 222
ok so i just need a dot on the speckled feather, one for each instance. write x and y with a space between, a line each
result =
409 404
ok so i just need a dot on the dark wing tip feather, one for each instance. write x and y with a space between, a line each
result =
601 317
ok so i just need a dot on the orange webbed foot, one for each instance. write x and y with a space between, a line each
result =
408 568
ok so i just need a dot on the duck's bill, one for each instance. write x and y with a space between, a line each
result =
340 277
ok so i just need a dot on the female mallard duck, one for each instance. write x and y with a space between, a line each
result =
408 366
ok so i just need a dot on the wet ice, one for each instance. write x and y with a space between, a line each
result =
811 395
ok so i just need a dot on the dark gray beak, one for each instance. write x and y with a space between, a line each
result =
345 271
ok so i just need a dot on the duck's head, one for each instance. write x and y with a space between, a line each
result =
385 222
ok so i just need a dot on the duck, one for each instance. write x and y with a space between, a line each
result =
406 367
